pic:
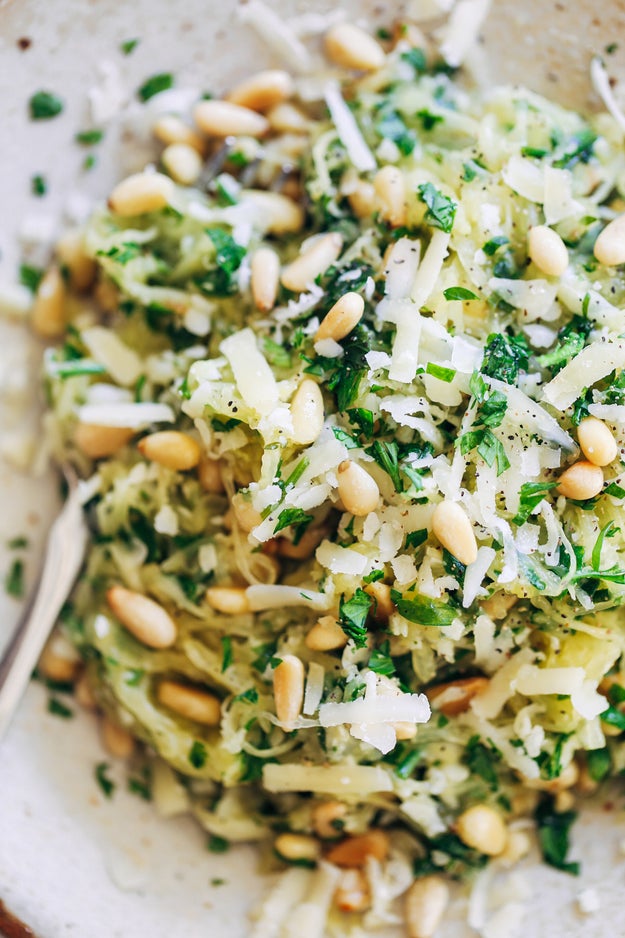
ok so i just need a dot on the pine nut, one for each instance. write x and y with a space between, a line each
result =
117 740
307 413
288 690
59 660
352 893
362 199
384 605
563 801
297 848
141 193
580 481
342 318
83 693
353 851
70 252
276 213
247 517
48 310
305 547
357 490
182 162
190 702
230 600
301 273
499 604
390 193
518 846
596 441
171 449
171 129
547 250
352 47
223 119
209 476
453 529
483 828
326 635
610 245
96 442
405 730
265 278
425 905
145 619
287 119
458 694
264 90
327 819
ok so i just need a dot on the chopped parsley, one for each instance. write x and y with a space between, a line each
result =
107 786
14 580
353 615
505 356
128 46
531 494
423 610
228 257
553 836
295 518
38 185
226 652
459 293
381 661
441 210
31 276
218 844
163 81
198 755
89 137
44 105
58 709
440 372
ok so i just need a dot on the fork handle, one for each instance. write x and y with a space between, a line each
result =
63 558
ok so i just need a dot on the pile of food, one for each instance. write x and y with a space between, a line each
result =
345 377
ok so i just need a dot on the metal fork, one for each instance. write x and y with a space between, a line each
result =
64 554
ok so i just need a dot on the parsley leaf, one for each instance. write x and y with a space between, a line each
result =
218 844
386 454
599 762
553 835
295 518
531 495
441 209
30 276
423 610
353 616
14 580
276 354
226 652
481 759
128 46
505 356
58 709
38 185
440 372
107 786
391 126
154 85
491 247
89 137
381 661
459 293
44 105
228 257
198 754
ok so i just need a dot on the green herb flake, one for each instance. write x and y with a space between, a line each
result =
44 105
218 844
441 209
89 138
599 763
491 247
459 293
386 454
247 696
553 835
31 276
18 543
531 494
58 709
276 354
163 81
38 185
107 786
14 580
141 785
226 652
615 490
128 46
481 759
198 755
416 58
381 661
224 426
505 356
439 371
415 539
423 610
295 518
353 615
345 438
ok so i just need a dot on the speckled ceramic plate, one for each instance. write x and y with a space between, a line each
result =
72 862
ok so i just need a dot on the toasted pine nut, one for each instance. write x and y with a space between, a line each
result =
499 604
144 618
172 129
141 193
452 527
327 819
276 213
288 690
288 119
358 491
96 442
352 47
353 851
596 441
231 600
563 801
224 119
48 310
247 517
209 476
307 412
352 893
70 251
609 247
190 702
518 846
59 660
548 251
580 481
117 740
326 635
384 605
182 162
84 694
296 847
263 90
265 278
362 199
483 828
171 449
341 318
390 192
305 547
457 694
302 272
426 901
404 730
